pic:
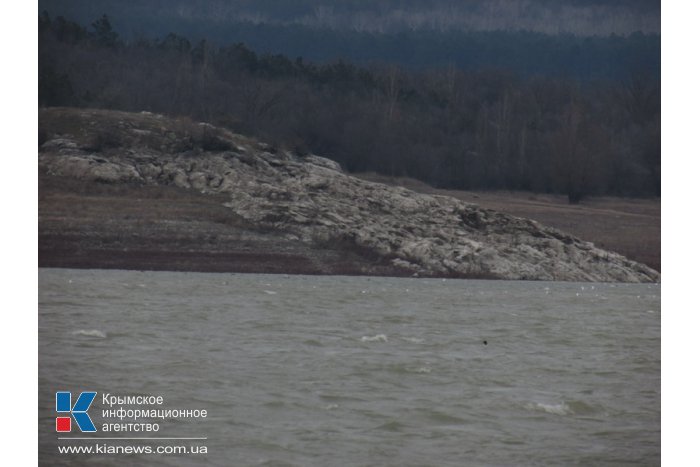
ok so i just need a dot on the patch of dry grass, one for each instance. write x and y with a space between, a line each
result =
104 130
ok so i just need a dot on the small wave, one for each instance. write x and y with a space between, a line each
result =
338 398
572 407
90 333
331 407
445 418
408 369
377 338
556 409
270 292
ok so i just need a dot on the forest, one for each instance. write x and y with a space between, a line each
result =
579 17
578 39
490 127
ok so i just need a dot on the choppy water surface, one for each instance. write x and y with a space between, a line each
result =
338 371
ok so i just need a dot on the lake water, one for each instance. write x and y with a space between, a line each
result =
344 371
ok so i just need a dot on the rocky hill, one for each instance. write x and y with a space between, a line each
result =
310 201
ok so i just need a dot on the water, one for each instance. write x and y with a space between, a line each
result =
341 371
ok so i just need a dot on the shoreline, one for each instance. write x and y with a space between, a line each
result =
206 262
86 225
368 276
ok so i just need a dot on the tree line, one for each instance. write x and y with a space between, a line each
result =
581 17
486 129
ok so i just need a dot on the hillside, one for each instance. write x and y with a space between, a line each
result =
629 226
142 191
478 130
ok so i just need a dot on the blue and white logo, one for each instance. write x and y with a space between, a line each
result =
78 411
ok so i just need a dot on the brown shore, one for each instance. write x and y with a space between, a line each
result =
85 224
90 225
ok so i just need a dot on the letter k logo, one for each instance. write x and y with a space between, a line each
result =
79 411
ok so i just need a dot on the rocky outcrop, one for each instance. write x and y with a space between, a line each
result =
311 199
